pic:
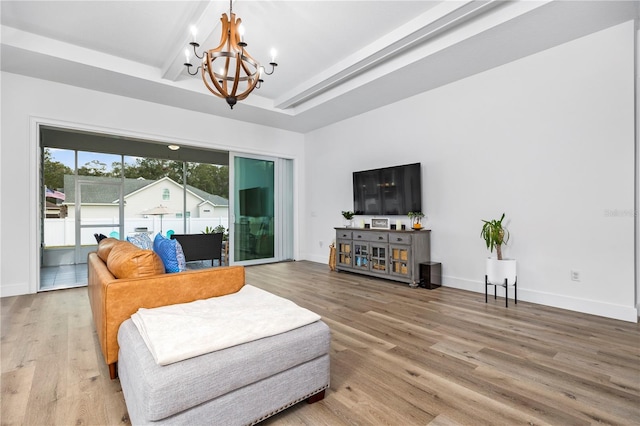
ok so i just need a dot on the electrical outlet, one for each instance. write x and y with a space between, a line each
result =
575 275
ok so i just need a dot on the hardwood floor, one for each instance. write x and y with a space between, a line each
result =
400 356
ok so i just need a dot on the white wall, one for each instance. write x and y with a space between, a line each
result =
548 139
26 101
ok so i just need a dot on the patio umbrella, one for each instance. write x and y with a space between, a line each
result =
159 211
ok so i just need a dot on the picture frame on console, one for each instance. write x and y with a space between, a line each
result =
380 223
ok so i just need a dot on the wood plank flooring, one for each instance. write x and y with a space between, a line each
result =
399 356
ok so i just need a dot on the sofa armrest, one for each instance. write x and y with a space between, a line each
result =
123 297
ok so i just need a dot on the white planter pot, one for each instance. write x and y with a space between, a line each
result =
498 270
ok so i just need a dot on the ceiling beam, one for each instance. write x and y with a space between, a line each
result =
434 22
206 20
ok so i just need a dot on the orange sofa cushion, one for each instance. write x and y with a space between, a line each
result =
128 261
105 246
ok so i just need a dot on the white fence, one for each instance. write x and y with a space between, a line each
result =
61 232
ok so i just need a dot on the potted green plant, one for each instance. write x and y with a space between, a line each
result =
416 219
495 235
348 217
221 229
499 270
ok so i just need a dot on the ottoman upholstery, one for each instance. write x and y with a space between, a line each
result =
239 385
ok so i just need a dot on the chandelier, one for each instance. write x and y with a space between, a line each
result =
228 70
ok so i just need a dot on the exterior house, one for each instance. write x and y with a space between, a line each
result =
100 195
54 210
208 209
100 200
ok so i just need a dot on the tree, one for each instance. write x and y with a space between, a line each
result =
207 177
93 168
54 171
210 178
152 169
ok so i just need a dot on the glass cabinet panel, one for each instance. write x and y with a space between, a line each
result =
379 258
361 256
344 253
400 260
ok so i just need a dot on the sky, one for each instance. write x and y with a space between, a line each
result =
66 157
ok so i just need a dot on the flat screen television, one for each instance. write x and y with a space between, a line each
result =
388 191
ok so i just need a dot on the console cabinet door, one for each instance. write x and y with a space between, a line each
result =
400 261
378 260
344 256
361 255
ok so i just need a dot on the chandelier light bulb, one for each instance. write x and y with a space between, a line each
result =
273 55
194 33
187 56
241 31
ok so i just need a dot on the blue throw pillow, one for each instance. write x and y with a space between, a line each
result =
170 251
141 240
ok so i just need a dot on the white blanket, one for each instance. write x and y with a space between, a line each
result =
177 332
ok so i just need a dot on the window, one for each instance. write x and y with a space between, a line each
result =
166 195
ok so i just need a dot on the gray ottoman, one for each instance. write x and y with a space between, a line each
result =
241 385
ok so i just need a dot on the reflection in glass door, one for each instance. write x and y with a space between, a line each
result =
107 221
254 214
262 206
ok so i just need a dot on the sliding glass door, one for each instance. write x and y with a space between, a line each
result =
78 202
261 209
92 192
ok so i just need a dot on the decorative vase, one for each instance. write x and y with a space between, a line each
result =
499 270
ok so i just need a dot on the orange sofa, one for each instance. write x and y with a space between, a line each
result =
124 278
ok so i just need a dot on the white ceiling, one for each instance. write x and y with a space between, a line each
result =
337 59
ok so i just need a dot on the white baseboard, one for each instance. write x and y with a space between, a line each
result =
593 307
8 290
316 258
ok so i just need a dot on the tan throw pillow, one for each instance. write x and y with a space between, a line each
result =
105 246
128 261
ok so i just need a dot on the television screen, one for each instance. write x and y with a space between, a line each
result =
388 191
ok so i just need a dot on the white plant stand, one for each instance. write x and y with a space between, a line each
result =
501 273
